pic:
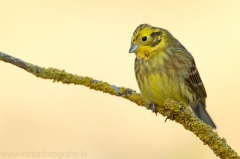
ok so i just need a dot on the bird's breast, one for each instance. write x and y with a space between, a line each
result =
158 82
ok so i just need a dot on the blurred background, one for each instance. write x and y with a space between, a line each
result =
92 38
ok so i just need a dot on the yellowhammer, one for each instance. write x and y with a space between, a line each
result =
165 69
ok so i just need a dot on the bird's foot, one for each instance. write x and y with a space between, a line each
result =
169 116
152 107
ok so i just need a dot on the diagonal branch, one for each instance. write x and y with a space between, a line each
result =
179 111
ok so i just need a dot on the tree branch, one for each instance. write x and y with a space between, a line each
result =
178 111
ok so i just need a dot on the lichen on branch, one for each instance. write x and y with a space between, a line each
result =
179 112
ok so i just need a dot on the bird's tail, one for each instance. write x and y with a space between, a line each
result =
202 114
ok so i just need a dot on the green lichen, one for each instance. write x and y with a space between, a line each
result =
180 112
200 129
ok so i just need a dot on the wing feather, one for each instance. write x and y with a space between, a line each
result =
195 82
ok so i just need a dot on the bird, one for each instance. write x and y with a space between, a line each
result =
164 68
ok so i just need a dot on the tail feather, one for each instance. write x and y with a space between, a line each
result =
202 114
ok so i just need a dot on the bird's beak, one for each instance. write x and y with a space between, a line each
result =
133 48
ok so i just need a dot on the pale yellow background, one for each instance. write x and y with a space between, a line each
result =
92 38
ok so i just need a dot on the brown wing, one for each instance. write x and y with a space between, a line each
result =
195 82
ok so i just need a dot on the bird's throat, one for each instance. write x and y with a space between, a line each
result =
144 55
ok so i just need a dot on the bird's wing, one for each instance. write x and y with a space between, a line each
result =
195 82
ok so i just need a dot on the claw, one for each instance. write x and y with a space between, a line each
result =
148 106
169 116
152 107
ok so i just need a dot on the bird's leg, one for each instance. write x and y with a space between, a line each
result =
152 107
169 116
149 106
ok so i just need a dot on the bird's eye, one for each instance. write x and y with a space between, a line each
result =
144 38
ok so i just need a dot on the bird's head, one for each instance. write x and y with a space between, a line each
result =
147 40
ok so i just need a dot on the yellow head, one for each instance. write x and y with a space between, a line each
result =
148 40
